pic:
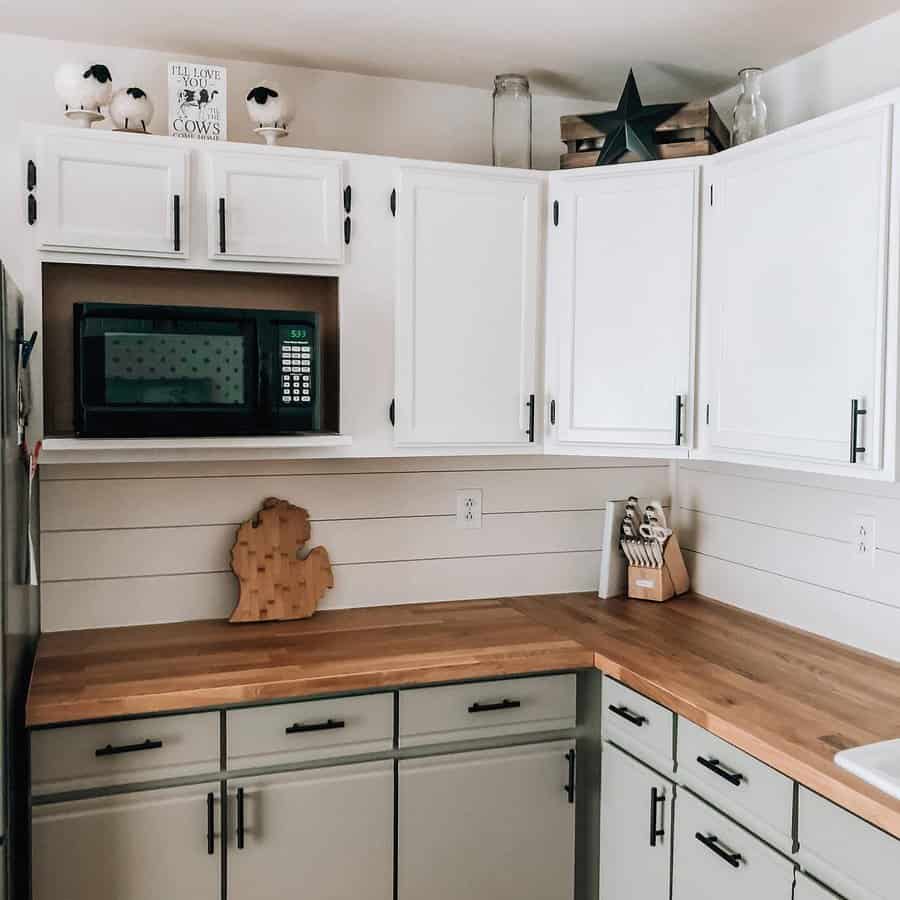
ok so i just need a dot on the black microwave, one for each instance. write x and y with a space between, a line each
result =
158 371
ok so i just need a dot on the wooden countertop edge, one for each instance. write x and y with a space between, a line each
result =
833 783
42 714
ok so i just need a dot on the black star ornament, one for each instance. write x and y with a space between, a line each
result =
631 125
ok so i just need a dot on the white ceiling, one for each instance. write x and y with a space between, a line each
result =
580 48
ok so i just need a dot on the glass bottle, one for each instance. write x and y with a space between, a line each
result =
750 111
511 131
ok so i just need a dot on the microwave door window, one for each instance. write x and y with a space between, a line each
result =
174 369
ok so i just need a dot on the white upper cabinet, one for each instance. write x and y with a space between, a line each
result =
622 272
796 297
468 258
273 206
112 194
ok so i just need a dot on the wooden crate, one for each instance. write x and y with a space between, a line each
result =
695 130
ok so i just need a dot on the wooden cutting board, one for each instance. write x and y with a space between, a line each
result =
275 583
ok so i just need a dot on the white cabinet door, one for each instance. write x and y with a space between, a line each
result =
322 834
795 294
467 291
635 829
621 285
139 846
807 889
112 193
492 824
274 206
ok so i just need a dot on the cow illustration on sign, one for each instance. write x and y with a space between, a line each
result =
197 101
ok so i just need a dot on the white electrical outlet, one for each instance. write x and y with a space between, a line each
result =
864 539
468 508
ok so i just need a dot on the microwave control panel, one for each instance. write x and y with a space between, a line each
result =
298 365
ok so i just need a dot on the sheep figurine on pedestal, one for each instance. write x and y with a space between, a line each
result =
131 109
271 110
84 88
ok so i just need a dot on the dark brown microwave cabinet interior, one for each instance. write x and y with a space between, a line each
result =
65 284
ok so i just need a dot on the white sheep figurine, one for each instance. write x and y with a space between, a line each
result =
269 107
131 109
83 87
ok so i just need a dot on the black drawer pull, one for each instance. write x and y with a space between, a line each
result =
109 750
716 767
240 818
733 859
628 715
492 707
330 725
221 224
657 800
210 823
569 786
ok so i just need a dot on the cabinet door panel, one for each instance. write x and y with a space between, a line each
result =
468 258
323 834
494 824
622 287
632 862
276 207
798 281
118 195
139 846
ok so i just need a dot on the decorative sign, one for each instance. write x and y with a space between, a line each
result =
197 102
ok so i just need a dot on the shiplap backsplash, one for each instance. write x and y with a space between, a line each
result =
126 545
781 545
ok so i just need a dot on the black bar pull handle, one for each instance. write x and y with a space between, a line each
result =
555 213
210 823
348 199
679 410
855 413
32 209
569 786
221 224
110 750
347 228
330 725
625 713
31 176
552 412
717 768
733 859
394 202
240 818
392 412
176 215
530 406
657 800
493 707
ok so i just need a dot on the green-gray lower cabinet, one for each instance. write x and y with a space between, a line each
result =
715 858
492 824
135 846
320 834
635 829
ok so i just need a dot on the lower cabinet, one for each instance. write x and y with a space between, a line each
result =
807 889
138 846
496 824
715 858
323 834
635 829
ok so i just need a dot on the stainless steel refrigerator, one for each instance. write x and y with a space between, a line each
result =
18 605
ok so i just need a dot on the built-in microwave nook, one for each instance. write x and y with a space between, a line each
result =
75 291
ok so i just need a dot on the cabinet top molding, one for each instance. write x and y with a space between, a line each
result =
787 697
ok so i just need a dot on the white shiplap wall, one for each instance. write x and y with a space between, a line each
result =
781 544
125 545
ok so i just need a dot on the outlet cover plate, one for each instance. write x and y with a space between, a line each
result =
468 508
864 539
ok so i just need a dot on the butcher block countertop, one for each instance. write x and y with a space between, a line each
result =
783 695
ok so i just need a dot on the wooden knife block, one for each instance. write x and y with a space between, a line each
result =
661 584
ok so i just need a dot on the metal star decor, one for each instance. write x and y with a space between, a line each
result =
631 125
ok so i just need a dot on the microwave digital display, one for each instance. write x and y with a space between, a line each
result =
149 371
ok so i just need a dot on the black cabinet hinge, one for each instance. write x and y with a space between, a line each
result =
348 199
31 177
394 202
32 209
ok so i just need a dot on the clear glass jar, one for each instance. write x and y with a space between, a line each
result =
750 111
511 132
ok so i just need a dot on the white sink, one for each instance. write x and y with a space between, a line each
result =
878 764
